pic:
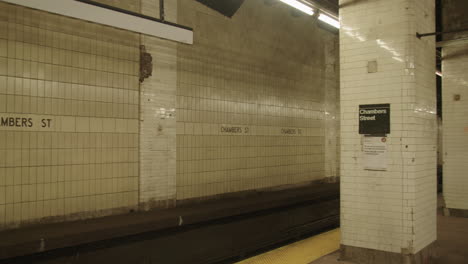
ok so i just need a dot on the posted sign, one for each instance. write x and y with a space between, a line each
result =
375 153
374 119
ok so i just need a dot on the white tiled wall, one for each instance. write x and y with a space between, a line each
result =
245 85
394 210
158 116
332 110
84 78
111 145
455 126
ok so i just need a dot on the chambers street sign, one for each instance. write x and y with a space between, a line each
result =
374 119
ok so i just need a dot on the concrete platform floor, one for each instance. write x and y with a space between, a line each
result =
452 243
300 252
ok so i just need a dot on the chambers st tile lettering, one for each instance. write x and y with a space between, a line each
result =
6 121
229 129
291 131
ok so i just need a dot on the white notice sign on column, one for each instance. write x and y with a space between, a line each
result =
375 153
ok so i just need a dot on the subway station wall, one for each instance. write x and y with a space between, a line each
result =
455 111
250 100
69 109
455 129
252 105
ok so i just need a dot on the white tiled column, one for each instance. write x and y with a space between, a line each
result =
455 108
391 212
158 117
455 128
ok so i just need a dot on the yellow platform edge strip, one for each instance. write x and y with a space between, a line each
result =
301 252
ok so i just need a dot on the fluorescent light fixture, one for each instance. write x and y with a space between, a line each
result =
329 20
439 73
298 5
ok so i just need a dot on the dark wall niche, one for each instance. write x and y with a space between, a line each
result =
454 18
225 7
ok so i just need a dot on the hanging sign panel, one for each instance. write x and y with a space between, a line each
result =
374 119
114 17
375 153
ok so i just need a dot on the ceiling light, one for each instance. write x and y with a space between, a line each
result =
329 20
296 4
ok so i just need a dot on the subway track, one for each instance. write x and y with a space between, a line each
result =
223 240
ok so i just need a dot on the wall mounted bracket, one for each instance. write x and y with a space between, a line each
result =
419 35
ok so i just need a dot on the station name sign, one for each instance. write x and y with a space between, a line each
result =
10 121
291 131
235 130
242 130
374 119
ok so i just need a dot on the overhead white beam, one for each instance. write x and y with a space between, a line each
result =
108 17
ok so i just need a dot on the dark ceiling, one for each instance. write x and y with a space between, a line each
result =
225 7
230 7
331 5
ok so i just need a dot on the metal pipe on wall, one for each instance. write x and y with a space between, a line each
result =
161 10
419 35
